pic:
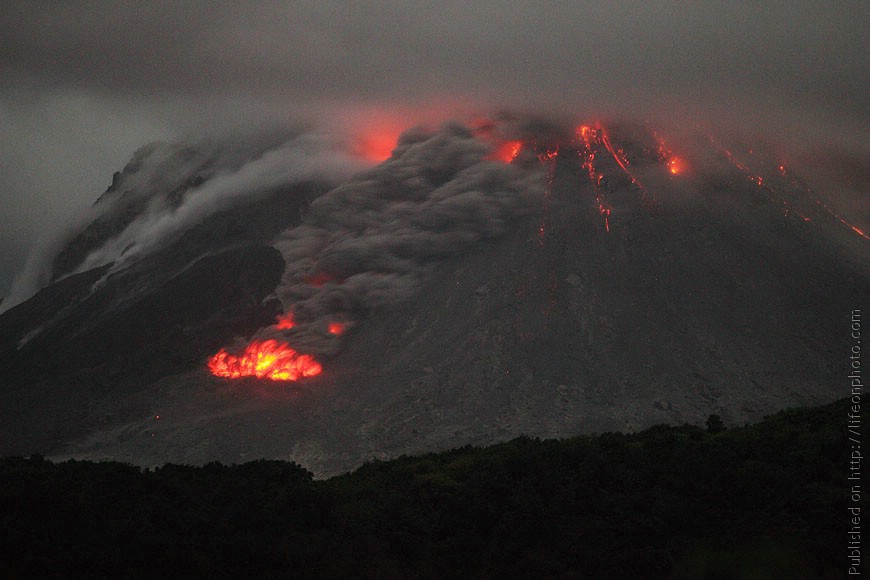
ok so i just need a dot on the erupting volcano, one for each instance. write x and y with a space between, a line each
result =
268 359
523 276
610 162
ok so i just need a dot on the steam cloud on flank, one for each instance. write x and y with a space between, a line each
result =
168 187
303 158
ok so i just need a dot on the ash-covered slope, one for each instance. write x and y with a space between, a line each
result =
598 281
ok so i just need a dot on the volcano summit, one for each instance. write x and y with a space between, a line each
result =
282 297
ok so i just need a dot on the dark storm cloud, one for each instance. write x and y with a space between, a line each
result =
84 84
520 55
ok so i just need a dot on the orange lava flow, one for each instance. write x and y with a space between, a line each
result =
336 328
507 151
605 211
620 158
855 229
267 359
285 321
547 158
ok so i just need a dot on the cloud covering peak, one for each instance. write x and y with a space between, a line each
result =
85 84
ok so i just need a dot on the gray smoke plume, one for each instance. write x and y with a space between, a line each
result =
369 242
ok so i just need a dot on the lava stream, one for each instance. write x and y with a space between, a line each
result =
621 159
759 181
285 321
548 160
676 165
268 359
587 157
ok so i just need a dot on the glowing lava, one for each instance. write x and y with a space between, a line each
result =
591 138
547 158
675 165
507 151
792 180
336 328
378 144
285 321
267 359
605 211
618 154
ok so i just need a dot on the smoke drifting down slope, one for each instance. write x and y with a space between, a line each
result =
168 188
369 243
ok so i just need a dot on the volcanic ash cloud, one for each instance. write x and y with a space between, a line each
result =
369 242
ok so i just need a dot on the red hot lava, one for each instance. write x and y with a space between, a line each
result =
507 151
675 165
267 359
285 321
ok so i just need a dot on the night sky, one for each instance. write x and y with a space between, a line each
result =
84 84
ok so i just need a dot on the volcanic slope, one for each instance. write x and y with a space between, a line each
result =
635 288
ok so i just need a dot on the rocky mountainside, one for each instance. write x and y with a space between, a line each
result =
480 284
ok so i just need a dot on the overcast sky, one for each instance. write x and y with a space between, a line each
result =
84 84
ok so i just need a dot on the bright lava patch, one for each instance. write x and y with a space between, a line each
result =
675 165
506 152
285 321
267 359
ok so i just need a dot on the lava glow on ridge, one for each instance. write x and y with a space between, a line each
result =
285 321
267 359
506 151
377 144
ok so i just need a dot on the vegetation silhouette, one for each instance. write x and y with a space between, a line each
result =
765 500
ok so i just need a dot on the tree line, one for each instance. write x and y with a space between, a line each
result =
765 500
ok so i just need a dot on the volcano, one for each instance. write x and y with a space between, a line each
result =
483 282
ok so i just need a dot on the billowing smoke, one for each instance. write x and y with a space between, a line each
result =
369 242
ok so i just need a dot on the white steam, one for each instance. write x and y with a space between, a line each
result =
157 187
308 157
